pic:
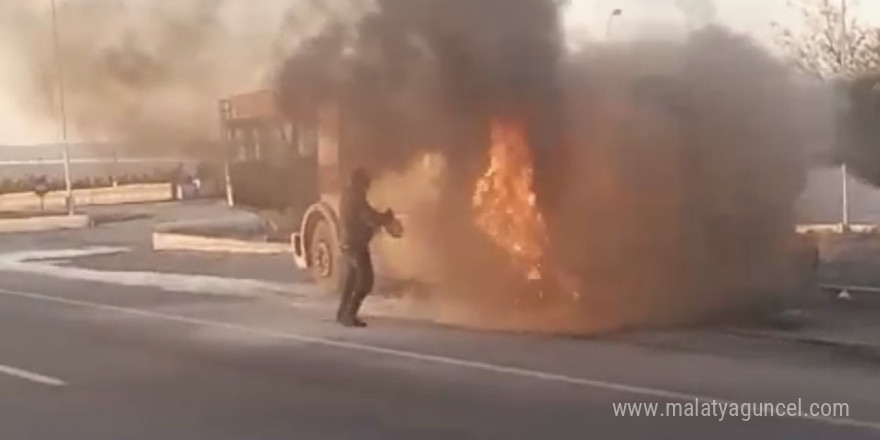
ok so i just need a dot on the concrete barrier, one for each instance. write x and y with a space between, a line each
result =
169 241
235 232
37 224
145 193
234 224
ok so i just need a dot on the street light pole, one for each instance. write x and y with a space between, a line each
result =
615 13
62 104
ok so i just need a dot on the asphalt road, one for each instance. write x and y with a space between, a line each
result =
96 360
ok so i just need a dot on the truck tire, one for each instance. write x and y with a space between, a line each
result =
325 259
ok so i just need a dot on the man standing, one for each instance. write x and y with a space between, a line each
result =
360 222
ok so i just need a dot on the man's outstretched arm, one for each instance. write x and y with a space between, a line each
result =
376 218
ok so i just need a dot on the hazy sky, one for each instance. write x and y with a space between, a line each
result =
668 17
584 19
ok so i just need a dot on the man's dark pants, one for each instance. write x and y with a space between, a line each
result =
358 283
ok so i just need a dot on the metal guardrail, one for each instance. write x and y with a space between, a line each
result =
92 161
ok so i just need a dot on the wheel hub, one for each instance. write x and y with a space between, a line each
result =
322 260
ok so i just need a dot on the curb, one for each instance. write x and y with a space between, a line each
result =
43 224
837 228
854 346
839 288
168 241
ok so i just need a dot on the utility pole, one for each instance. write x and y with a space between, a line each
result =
227 139
844 61
62 104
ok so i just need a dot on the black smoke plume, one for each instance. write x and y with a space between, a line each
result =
416 74
667 170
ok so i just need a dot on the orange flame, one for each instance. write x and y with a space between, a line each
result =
505 202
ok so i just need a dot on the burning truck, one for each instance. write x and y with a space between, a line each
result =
293 172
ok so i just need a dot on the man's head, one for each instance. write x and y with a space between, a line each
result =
360 179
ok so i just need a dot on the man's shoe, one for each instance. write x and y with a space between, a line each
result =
352 323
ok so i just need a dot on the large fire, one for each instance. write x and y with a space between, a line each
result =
505 202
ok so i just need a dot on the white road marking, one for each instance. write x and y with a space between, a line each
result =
422 357
33 377
44 262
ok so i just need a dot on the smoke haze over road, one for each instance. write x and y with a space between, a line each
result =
666 170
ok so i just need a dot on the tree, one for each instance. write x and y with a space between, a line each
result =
861 125
833 43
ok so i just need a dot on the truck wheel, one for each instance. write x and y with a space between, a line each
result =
325 259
